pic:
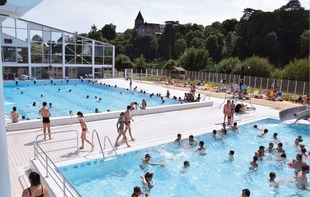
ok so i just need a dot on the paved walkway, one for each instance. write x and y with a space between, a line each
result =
147 130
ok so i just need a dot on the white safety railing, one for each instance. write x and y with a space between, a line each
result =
92 141
51 170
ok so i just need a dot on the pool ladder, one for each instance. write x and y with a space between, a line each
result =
104 143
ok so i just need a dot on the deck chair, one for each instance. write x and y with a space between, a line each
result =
256 92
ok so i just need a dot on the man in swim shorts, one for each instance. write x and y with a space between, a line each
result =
45 113
127 122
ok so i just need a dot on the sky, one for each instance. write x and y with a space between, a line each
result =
79 15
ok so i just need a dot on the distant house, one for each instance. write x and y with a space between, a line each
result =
178 72
147 29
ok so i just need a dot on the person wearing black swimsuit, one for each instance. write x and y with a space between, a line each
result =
35 189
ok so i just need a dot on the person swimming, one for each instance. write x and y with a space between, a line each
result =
185 167
202 148
146 162
191 140
147 181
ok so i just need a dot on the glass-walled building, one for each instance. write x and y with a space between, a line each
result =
31 50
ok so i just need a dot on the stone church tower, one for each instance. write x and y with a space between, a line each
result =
139 21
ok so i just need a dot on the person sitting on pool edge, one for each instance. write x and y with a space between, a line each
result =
36 188
137 191
14 115
146 161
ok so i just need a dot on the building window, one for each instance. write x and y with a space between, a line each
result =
9 54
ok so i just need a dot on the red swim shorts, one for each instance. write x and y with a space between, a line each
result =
84 129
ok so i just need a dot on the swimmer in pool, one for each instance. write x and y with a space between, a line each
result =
234 126
137 191
254 162
185 167
191 140
302 178
271 148
147 181
272 180
260 152
202 148
231 155
146 162
280 148
179 139
264 133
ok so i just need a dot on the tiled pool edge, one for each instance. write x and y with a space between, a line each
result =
67 120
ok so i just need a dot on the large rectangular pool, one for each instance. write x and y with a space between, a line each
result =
63 100
214 174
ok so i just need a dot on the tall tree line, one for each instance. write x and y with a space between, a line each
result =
280 37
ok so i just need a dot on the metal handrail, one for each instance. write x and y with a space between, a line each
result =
64 180
48 163
67 131
92 141
106 137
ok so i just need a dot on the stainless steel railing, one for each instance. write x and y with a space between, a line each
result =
104 143
52 170
92 141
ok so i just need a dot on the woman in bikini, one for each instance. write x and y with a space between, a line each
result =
35 189
120 129
84 130
227 112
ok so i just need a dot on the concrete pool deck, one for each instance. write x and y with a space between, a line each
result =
147 130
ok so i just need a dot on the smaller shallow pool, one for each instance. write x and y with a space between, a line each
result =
211 175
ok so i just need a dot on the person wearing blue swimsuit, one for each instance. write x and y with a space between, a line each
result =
120 129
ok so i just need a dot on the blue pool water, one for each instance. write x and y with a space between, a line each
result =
210 175
64 101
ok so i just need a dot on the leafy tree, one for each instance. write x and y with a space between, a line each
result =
170 64
167 41
195 59
122 62
230 44
95 34
214 48
255 66
304 43
229 25
140 63
108 31
227 65
301 74
180 46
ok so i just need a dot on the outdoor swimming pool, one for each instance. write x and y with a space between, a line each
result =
210 175
63 101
